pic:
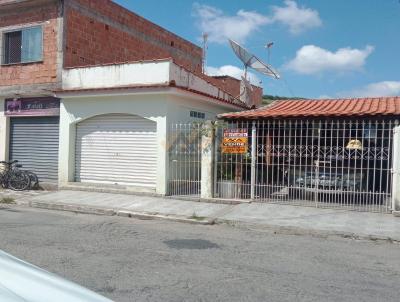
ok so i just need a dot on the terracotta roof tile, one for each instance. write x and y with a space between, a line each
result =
323 107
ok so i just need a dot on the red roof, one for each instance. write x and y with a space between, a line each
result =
322 108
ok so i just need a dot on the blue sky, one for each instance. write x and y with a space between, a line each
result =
321 48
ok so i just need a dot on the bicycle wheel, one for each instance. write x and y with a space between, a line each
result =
19 180
34 180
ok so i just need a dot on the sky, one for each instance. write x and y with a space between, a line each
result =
322 49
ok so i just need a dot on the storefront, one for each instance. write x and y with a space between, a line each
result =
34 135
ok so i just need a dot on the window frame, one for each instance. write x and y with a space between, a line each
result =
20 29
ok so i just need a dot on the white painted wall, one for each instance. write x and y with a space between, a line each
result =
184 78
139 73
180 104
145 73
164 107
4 132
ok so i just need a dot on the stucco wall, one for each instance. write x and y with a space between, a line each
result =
163 108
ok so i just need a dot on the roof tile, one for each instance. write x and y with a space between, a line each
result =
320 108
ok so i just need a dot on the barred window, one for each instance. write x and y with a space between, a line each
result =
23 46
197 114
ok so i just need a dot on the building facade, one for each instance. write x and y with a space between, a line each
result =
88 91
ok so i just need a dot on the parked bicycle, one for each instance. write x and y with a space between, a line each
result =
14 178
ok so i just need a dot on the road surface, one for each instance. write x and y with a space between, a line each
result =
137 260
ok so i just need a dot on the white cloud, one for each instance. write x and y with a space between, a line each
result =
232 71
298 19
311 59
220 27
384 88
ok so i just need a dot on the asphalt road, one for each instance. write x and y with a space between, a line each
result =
135 260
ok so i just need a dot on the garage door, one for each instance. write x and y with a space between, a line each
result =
34 142
116 149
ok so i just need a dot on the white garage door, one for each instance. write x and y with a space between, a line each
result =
117 149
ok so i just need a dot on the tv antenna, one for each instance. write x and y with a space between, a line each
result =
249 60
268 47
205 47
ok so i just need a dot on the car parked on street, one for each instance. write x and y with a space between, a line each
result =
23 282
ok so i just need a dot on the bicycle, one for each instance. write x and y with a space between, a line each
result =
34 179
13 178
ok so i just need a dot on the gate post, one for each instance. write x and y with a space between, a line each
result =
207 159
396 172
253 161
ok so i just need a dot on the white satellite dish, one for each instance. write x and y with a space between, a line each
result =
250 60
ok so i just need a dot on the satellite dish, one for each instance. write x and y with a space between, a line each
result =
250 60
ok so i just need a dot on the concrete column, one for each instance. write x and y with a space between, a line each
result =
66 153
162 156
207 160
396 171
4 133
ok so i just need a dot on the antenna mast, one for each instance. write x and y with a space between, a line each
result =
205 47
250 60
268 47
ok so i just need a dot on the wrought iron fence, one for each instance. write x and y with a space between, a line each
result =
185 159
333 163
325 163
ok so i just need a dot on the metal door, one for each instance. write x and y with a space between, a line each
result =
34 143
116 149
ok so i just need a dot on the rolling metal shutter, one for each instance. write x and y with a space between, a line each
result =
34 143
116 149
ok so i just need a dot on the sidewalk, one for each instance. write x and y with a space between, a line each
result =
278 218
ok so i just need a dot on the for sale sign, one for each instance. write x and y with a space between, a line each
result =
235 141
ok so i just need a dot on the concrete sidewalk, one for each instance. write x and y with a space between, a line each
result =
278 218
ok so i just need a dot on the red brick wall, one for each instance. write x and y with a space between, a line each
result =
102 32
232 86
33 73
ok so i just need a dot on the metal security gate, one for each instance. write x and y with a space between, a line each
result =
332 163
34 143
116 149
184 152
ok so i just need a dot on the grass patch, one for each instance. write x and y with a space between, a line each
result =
195 217
7 200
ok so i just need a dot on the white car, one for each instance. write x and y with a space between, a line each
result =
23 282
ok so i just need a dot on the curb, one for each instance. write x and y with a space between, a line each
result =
72 208
112 212
149 216
288 230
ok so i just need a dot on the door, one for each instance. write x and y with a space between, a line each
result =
34 143
116 149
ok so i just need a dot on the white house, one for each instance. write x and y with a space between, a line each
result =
113 123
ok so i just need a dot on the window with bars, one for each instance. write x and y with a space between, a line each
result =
23 46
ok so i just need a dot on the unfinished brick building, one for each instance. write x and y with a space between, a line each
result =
54 52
